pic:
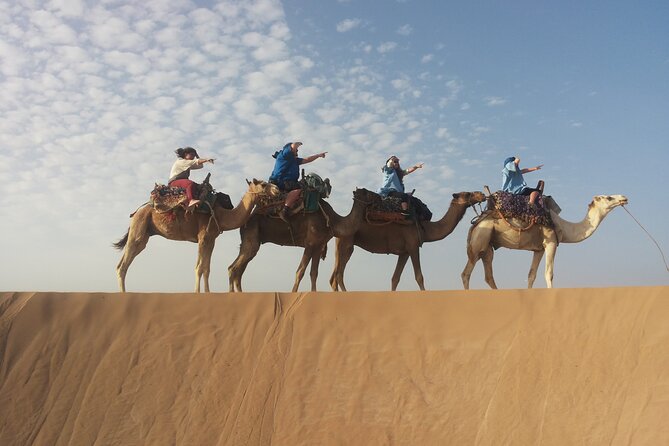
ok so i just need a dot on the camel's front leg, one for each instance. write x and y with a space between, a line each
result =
417 270
343 251
202 267
536 259
399 267
315 261
486 258
306 257
551 249
478 245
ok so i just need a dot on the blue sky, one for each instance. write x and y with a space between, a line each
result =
97 95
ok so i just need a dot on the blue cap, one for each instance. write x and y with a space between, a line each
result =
509 159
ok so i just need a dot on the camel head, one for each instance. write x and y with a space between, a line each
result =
364 195
469 198
263 188
606 203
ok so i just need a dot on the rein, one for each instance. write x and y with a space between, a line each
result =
651 237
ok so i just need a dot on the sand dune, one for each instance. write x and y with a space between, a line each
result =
548 367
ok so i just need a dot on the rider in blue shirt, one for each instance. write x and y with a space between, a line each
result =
286 173
513 181
393 181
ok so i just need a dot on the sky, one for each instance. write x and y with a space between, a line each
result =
95 97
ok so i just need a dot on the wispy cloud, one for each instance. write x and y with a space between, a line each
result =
494 101
386 47
348 24
404 30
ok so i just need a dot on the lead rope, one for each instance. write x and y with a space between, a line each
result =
651 237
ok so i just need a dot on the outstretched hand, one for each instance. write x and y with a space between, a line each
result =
322 155
539 167
419 165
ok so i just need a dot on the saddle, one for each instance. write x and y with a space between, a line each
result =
312 189
509 205
165 198
389 210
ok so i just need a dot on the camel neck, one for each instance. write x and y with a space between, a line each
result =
443 227
574 232
236 217
344 226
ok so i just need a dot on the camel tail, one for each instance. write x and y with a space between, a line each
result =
324 252
121 243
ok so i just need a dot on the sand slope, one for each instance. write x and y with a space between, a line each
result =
547 367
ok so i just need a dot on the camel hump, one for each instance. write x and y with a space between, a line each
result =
510 205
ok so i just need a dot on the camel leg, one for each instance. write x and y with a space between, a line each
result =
399 267
417 270
315 260
247 251
478 242
137 239
133 247
551 249
343 251
205 247
486 258
536 259
306 257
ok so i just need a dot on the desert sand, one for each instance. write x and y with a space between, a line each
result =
516 367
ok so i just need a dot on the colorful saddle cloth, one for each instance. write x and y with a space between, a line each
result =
517 206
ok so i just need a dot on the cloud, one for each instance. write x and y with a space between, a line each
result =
494 101
348 24
427 58
404 30
386 47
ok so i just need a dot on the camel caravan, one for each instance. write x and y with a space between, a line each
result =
291 209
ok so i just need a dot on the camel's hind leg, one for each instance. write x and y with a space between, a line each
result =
532 275
343 251
136 239
247 251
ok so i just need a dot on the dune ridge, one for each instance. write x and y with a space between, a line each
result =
548 366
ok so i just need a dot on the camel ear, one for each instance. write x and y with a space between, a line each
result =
455 195
248 183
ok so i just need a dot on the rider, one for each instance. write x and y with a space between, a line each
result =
393 181
513 181
287 172
187 159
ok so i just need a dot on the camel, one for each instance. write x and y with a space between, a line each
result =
312 231
492 231
401 239
192 227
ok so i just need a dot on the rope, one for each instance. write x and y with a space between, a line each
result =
514 227
651 237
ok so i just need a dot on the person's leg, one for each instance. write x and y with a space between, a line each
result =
292 198
188 185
